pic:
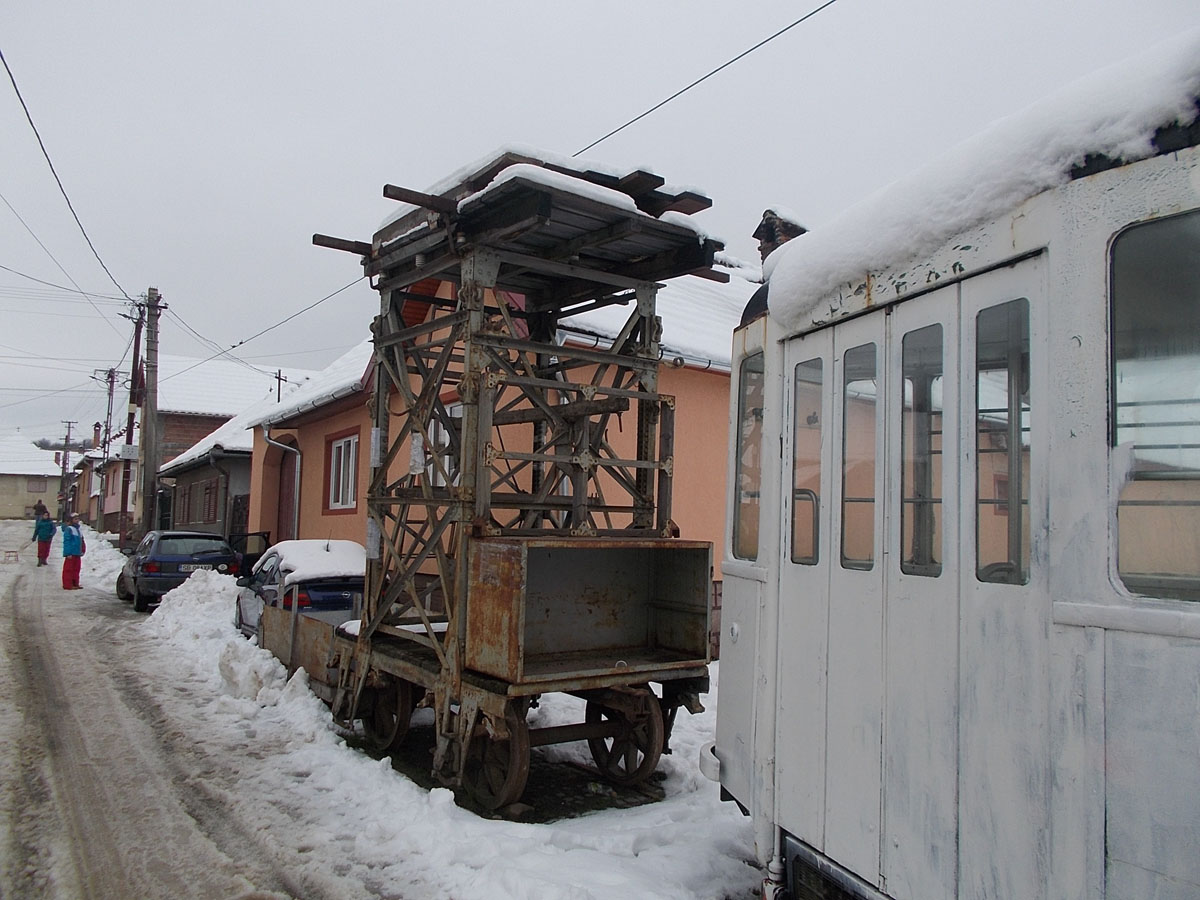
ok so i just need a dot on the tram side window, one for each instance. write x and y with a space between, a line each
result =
1155 399
858 457
921 437
806 463
748 475
1002 444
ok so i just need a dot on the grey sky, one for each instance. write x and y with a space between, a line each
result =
202 144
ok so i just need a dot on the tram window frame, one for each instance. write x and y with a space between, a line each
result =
1154 347
923 371
747 476
807 462
864 463
1002 369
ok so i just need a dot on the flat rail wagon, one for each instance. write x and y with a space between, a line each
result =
519 537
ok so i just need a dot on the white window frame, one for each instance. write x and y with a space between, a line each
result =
343 477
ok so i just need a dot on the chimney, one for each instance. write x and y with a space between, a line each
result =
776 228
96 429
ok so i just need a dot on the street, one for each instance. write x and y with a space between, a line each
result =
166 756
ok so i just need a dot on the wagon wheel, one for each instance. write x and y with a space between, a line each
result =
631 756
386 722
496 770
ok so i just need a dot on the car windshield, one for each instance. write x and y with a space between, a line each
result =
190 546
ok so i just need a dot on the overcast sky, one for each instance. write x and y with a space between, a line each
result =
202 144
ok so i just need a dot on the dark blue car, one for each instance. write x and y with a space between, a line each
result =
165 559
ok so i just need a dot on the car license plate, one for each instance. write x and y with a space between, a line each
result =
192 567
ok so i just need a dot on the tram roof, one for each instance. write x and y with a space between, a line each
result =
1131 110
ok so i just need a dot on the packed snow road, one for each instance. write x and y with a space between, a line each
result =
165 756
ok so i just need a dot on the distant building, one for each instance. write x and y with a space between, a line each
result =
27 474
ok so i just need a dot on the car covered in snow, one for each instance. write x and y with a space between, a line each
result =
165 559
325 576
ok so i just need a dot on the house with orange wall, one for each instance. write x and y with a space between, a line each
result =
324 428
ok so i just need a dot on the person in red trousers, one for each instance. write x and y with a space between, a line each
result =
73 550
43 532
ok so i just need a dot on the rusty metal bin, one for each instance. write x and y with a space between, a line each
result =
542 609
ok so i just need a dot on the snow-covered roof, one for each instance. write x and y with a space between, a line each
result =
20 456
309 559
698 317
473 170
1114 113
214 387
344 376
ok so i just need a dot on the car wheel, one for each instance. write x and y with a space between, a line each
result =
122 591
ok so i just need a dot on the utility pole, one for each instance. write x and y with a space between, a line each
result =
151 451
134 398
66 467
110 380
280 378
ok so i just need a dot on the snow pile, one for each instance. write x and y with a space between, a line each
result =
1114 113
101 563
308 559
299 779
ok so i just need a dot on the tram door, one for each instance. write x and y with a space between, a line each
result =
867 737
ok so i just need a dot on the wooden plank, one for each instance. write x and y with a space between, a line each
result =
334 243
416 198
685 202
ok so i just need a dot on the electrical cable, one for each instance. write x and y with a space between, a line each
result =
55 260
702 78
273 327
54 172
74 290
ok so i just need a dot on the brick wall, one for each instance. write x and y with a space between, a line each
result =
179 432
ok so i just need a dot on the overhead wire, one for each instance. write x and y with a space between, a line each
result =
54 172
59 287
56 262
703 78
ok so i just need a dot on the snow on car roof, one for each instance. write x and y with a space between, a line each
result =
1112 113
304 560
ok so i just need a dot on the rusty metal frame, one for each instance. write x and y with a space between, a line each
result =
525 451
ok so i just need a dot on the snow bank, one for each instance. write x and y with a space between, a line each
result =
1113 112
372 824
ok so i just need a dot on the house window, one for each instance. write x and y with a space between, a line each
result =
210 501
343 470
1155 404
36 486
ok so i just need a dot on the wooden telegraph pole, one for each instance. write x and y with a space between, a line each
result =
134 398
151 450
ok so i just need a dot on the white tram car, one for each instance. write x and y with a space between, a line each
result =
960 650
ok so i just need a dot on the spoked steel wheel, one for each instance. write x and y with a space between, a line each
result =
385 723
630 756
496 770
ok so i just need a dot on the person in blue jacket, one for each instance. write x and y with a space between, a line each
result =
73 549
43 532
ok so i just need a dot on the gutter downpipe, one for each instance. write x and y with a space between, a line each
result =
296 492
213 454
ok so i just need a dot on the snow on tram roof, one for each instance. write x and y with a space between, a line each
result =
1114 113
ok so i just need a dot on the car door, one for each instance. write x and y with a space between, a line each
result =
258 592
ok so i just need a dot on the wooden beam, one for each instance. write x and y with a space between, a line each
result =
711 275
416 198
333 243
640 182
686 202
580 409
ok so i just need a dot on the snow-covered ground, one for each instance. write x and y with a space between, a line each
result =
356 819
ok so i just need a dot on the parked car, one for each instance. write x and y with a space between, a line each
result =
327 577
165 559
